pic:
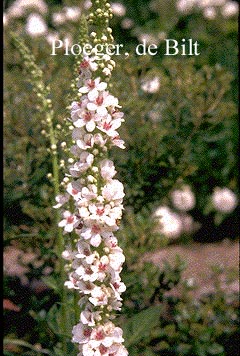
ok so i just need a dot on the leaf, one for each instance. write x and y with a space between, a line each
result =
141 324
54 320
51 282
215 349
26 344
184 349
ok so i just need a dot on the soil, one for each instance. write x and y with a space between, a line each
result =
200 258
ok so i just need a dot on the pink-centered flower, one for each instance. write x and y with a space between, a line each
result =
95 198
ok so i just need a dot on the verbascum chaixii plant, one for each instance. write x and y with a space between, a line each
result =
95 200
89 197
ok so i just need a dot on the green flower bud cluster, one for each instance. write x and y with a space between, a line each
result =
42 91
101 34
83 38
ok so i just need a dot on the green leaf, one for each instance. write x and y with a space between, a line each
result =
149 352
54 320
26 344
215 349
184 349
163 345
141 324
51 282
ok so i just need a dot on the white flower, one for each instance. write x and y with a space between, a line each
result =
51 37
68 254
5 19
86 160
151 86
230 9
118 9
36 26
88 64
107 169
87 4
99 296
209 13
19 7
127 23
189 226
170 223
61 199
92 87
69 222
88 317
116 141
101 103
59 18
183 199
81 333
224 200
116 260
109 126
113 190
148 38
72 13
85 252
118 287
92 233
118 350
74 189
87 273
185 6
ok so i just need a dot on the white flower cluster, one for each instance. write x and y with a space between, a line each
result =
209 7
183 199
36 25
224 200
172 224
20 7
118 9
97 259
69 13
151 85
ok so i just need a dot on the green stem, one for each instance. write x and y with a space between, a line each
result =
59 240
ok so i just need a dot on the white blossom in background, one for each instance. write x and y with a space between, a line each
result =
148 38
118 9
95 262
230 9
59 18
208 7
189 225
151 85
36 26
185 6
18 8
170 224
127 23
52 36
87 4
72 13
5 19
208 3
183 199
209 13
224 200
